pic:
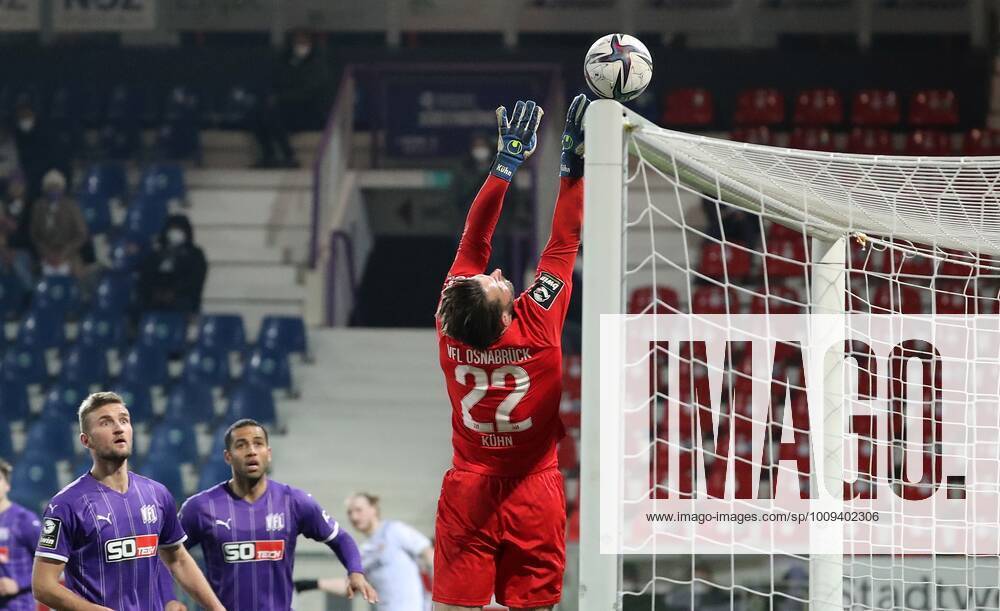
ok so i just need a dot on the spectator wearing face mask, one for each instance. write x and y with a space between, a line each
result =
58 229
300 101
174 276
15 210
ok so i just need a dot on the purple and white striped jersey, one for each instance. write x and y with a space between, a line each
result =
110 541
19 529
249 548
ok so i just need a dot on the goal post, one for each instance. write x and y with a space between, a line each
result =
853 248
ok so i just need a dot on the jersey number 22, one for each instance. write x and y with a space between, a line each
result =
482 382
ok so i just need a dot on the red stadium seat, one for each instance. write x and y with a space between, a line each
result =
760 106
959 264
875 107
933 107
569 459
781 300
753 135
643 297
898 298
691 106
712 300
906 263
956 297
812 139
863 257
735 265
868 141
928 143
786 258
818 107
572 371
777 231
981 142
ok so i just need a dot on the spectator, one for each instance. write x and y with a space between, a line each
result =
58 229
300 101
16 211
36 150
9 160
173 277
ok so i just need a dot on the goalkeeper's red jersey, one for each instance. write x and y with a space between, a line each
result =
505 399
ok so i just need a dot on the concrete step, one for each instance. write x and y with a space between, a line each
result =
278 274
243 253
294 240
245 178
237 149
264 290
265 207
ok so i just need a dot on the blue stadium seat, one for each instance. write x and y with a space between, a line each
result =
60 294
114 294
146 366
96 211
252 401
120 134
54 437
138 400
164 181
206 366
34 481
127 253
12 296
25 365
102 330
168 473
146 217
42 329
174 439
63 400
223 332
106 180
268 368
14 403
82 465
6 441
164 331
283 333
191 402
219 441
214 471
179 136
237 107
85 364
119 141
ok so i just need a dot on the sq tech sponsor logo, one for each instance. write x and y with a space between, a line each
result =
131 548
253 551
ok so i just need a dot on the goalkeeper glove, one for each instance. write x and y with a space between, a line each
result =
571 163
517 139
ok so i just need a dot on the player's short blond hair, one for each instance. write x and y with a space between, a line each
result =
94 401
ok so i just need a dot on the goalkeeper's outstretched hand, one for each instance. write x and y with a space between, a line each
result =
517 137
571 163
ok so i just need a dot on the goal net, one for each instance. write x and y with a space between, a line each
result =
720 235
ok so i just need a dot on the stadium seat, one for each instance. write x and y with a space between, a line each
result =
163 181
146 216
818 107
958 265
642 298
870 141
933 107
6 440
96 211
688 107
875 108
105 180
268 368
192 402
214 471
102 331
14 403
53 437
779 300
712 300
711 263
85 364
174 439
179 136
145 366
42 329
34 481
59 294
572 370
893 297
63 400
761 106
981 142
928 143
114 294
785 258
753 135
168 473
25 364
237 107
12 297
568 455
250 400
138 400
812 139
956 297
206 366
119 137
283 333
127 253
165 331
223 332
906 262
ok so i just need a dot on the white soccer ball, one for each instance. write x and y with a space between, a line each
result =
618 67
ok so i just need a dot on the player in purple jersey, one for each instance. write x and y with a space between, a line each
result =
108 530
19 530
247 528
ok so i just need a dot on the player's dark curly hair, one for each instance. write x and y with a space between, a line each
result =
468 316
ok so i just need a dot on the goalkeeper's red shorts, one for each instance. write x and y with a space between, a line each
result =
500 535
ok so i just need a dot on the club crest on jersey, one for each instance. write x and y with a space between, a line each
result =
148 513
545 290
274 522
50 533
253 551
131 548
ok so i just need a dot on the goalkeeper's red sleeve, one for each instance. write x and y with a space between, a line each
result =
474 248
564 241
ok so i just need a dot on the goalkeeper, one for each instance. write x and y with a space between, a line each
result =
501 517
